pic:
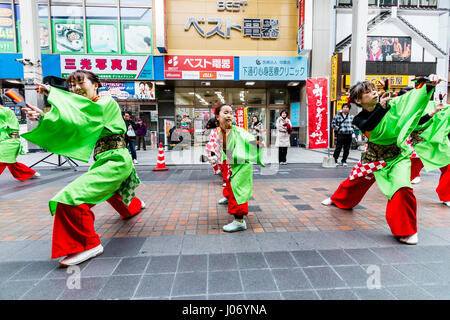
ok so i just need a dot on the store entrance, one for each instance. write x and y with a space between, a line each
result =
274 114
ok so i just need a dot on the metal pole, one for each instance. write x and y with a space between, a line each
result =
360 16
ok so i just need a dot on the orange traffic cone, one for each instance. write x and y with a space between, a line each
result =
161 162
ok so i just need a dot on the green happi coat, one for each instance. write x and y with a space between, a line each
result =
72 128
10 148
434 151
395 127
242 153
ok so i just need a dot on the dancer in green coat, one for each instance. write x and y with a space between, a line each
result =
78 124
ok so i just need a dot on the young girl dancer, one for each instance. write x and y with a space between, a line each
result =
387 124
79 123
239 151
10 146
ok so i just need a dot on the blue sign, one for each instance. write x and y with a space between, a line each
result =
118 90
273 68
295 114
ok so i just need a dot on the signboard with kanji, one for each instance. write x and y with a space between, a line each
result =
109 67
242 118
273 68
199 67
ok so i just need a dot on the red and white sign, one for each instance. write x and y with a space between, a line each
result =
241 118
199 67
317 113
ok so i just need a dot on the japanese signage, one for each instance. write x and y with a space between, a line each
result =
6 28
242 118
388 49
199 67
128 90
335 85
317 113
109 67
395 81
304 33
273 68
254 28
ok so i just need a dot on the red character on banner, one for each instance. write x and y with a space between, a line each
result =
317 113
116 64
132 64
100 64
86 64
70 64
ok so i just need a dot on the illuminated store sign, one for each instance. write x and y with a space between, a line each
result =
254 28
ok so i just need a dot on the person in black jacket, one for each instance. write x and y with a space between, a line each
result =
130 135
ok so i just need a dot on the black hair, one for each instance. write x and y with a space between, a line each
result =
404 90
358 89
287 113
79 75
217 110
349 105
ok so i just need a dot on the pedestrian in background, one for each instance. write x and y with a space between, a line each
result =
141 131
342 125
283 141
130 136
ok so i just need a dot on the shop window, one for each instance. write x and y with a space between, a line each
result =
185 96
256 96
102 30
72 1
184 118
209 96
260 114
7 28
428 3
235 96
136 29
68 30
111 2
140 2
277 96
408 3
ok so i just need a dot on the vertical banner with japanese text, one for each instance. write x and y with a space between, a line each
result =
317 112
242 118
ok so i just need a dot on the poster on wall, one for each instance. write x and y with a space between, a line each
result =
109 67
6 28
317 113
388 48
145 90
137 38
117 90
199 67
68 36
102 37
295 114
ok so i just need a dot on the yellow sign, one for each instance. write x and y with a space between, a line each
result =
334 75
340 103
395 81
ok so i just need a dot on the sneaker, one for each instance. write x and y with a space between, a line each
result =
447 203
416 180
336 164
327 202
224 184
223 201
77 258
135 161
344 164
414 239
36 175
143 205
235 226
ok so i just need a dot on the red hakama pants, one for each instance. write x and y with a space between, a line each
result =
233 207
401 210
443 188
73 227
19 171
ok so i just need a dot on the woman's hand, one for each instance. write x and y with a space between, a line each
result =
42 88
384 100
33 113
438 108
435 80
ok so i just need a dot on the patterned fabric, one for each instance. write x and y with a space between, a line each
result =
366 169
346 127
127 190
214 146
410 144
377 152
415 137
115 141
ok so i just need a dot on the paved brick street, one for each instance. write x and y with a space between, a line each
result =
294 247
